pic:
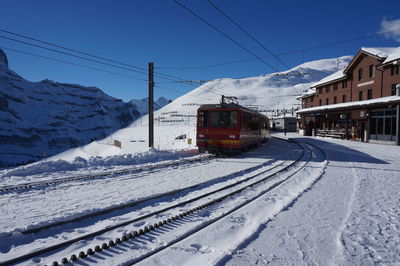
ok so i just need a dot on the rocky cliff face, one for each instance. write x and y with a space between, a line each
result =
3 59
143 105
39 119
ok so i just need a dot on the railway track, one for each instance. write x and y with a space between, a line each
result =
45 183
191 207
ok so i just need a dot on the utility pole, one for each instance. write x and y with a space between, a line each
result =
151 105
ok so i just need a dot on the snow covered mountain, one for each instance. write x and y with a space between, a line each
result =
267 92
143 105
38 119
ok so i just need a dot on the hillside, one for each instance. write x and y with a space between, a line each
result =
38 119
143 105
267 92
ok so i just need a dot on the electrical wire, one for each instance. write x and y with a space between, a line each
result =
72 55
158 74
247 33
71 63
225 35
283 53
69 49
193 96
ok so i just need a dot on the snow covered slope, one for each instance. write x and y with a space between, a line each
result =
143 105
38 119
178 118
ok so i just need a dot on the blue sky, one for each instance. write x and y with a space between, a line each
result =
140 31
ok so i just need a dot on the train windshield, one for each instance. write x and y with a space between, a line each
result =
224 118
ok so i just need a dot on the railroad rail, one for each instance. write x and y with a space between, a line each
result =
146 229
57 181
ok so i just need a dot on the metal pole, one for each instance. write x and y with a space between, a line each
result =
151 105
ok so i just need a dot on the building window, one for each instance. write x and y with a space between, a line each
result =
327 88
327 101
319 90
335 86
394 70
393 89
311 98
371 73
335 100
369 94
344 98
344 84
360 74
320 102
360 96
383 122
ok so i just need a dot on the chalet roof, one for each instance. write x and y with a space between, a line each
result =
352 105
384 54
387 53
335 76
308 93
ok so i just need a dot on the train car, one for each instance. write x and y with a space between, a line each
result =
229 128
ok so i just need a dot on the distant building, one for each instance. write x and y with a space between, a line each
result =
280 123
358 102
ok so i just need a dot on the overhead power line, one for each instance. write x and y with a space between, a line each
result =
72 55
71 50
283 53
71 63
225 35
142 70
246 32
192 96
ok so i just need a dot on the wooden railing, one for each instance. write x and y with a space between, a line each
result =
331 134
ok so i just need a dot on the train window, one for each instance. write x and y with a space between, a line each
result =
224 118
202 119
233 118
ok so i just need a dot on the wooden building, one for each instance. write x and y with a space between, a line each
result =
360 102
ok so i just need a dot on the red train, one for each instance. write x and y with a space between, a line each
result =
229 128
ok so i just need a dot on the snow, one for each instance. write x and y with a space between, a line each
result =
143 105
388 53
267 92
38 119
337 75
389 99
349 215
340 211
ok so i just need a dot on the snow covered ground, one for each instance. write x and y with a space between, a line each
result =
344 210
349 216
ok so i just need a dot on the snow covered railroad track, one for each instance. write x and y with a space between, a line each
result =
44 183
194 207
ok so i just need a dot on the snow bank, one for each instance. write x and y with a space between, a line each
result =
41 167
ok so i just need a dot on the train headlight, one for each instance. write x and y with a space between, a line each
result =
201 136
232 136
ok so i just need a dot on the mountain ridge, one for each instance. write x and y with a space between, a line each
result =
40 119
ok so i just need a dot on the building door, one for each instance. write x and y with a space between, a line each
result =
362 131
382 124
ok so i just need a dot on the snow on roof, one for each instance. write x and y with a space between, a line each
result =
390 53
309 92
389 99
337 75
